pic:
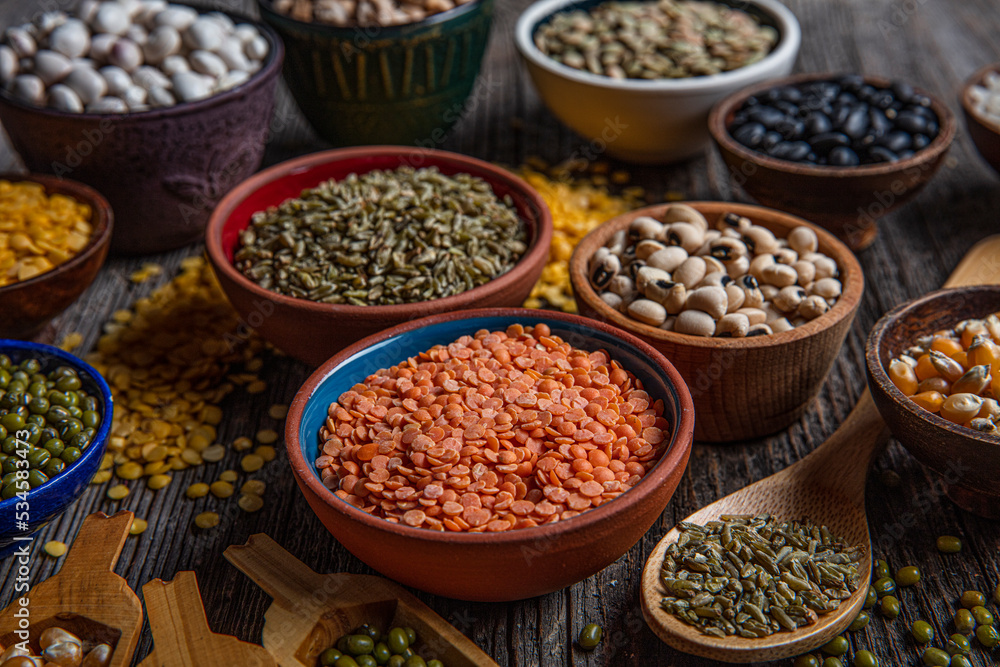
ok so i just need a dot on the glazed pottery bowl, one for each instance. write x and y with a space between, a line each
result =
162 170
646 121
313 331
967 460
743 387
845 200
474 566
405 84
29 305
49 500
985 133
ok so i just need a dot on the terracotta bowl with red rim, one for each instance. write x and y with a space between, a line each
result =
742 387
845 200
29 305
313 331
985 133
515 564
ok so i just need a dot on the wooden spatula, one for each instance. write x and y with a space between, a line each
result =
312 611
181 636
86 597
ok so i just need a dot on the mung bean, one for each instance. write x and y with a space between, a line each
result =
922 631
590 636
949 544
971 599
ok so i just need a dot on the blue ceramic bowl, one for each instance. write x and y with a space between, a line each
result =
465 565
51 499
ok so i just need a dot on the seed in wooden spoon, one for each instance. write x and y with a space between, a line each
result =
755 576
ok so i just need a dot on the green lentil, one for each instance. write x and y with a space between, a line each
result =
884 586
806 660
958 644
922 631
949 544
988 636
383 238
860 621
972 599
964 621
836 646
982 615
590 636
890 607
908 576
935 657
865 659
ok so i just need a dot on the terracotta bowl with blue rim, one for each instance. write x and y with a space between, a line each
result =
313 331
162 170
403 84
466 565
46 502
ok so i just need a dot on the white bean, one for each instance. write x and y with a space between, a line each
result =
100 46
246 32
695 323
173 64
108 105
257 48
137 34
712 300
208 63
231 52
87 83
232 80
191 86
51 66
148 9
178 17
135 97
160 97
111 18
647 311
72 39
64 98
150 77
125 54
49 21
205 34
132 8
87 9
118 80
8 64
29 88
21 41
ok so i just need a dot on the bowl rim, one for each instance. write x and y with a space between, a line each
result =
789 41
965 97
270 67
97 444
676 455
880 377
269 14
101 218
718 117
846 305
535 253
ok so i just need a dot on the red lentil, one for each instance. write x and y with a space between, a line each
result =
500 430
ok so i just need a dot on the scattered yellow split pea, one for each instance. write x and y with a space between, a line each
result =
138 527
278 411
214 453
266 452
117 492
250 502
251 463
253 486
71 341
157 482
242 444
267 436
222 489
100 477
55 548
197 490
229 476
207 520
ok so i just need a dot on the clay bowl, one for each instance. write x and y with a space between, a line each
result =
162 170
646 121
985 134
472 566
742 387
404 84
968 461
52 498
29 305
845 200
313 332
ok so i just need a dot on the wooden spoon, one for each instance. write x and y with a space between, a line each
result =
827 487
181 635
86 597
312 611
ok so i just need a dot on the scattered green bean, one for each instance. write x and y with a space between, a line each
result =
884 586
982 615
833 662
949 544
890 607
865 659
836 646
935 657
806 660
964 621
988 636
972 599
908 576
882 570
960 661
590 636
958 644
871 598
922 631
860 621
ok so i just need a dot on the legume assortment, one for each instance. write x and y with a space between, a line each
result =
735 280
61 648
666 39
840 123
38 232
955 373
364 13
500 430
384 237
986 98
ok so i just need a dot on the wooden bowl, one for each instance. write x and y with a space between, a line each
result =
515 564
968 461
985 134
845 200
29 305
742 387
312 331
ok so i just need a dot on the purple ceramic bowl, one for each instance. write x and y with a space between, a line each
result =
162 170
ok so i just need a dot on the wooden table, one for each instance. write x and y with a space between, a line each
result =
932 43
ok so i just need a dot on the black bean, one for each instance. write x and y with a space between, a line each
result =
770 140
883 99
750 134
897 141
791 150
911 122
905 154
920 141
824 143
856 123
767 116
817 123
903 91
840 114
882 154
932 128
879 123
921 100
787 107
867 93
842 156
792 130
852 82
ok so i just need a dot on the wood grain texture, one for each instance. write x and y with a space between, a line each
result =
934 44
86 597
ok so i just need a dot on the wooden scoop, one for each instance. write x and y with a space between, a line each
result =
312 611
827 487
181 635
86 597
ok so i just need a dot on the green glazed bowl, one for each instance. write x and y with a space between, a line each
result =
404 84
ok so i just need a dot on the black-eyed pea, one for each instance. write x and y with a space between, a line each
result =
759 330
754 315
711 235
633 268
715 279
690 272
726 249
769 291
647 275
825 267
806 271
618 242
603 272
644 227
770 312
736 297
780 324
785 256
732 325
695 323
657 289
623 286
668 324
738 267
712 300
612 299
647 311
779 275
734 222
684 213
668 259
760 240
812 307
754 297
828 288
798 321
758 264
676 299
685 235
645 248
712 265
788 298
803 240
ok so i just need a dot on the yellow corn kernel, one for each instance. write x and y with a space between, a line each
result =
903 376
221 489
207 520
138 527
197 490
945 345
929 400
960 408
925 369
